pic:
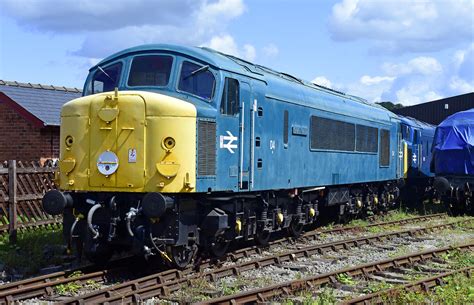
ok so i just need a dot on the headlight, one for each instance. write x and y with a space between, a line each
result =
169 143
69 141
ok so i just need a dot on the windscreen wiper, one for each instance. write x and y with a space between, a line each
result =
106 74
197 71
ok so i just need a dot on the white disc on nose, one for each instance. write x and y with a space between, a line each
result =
107 163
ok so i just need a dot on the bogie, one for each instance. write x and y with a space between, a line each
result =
206 226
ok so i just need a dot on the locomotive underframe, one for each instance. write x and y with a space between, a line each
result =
457 195
208 223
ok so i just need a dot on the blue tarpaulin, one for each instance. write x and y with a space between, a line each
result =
453 144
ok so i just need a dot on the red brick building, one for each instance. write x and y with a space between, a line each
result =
30 118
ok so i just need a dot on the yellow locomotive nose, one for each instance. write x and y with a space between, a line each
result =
129 141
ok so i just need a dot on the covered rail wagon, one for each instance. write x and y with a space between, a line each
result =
453 161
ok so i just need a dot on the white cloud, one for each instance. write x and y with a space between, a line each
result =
368 80
460 85
369 88
215 15
270 50
226 44
425 65
416 93
205 25
110 25
464 63
249 52
419 65
92 15
420 79
400 26
462 78
323 81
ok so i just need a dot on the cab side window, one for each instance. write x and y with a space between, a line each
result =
405 132
416 136
230 97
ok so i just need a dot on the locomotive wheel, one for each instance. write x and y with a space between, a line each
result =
219 247
295 228
96 251
181 256
263 237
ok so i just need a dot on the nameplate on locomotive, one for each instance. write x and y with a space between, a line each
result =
299 131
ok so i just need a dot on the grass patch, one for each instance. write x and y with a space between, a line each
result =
329 226
399 214
201 290
346 279
73 288
459 289
459 259
377 286
394 215
325 296
358 223
401 250
30 253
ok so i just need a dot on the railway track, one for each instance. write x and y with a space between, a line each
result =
310 283
315 234
165 283
421 285
43 286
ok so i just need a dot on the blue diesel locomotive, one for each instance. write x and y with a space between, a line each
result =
176 150
417 138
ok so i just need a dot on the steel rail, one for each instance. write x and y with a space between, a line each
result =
424 284
376 224
290 287
164 283
42 286
314 234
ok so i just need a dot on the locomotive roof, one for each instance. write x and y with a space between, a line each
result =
277 82
416 123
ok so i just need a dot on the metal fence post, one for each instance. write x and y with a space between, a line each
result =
12 201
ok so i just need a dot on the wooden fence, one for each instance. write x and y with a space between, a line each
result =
22 186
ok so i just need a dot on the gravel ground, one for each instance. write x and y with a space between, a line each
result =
304 266
330 261
332 237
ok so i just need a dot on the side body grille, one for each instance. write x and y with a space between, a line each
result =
206 148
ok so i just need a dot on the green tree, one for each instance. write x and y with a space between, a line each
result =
390 106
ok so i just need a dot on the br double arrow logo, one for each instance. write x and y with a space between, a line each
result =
228 142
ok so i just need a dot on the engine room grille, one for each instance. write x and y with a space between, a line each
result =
366 139
332 135
206 148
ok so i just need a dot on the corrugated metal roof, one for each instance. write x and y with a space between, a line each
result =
42 101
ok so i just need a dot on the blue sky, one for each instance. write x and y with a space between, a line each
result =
407 51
